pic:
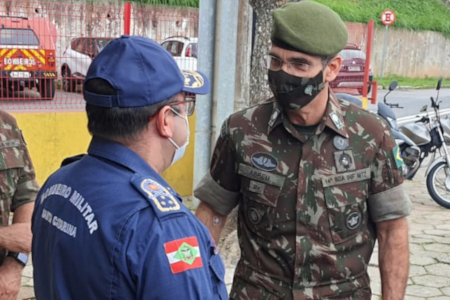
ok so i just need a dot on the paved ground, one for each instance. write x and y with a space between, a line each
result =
429 276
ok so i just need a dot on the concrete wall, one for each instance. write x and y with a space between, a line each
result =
53 136
409 53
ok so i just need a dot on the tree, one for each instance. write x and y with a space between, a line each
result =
259 89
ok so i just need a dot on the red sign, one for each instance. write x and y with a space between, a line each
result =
388 17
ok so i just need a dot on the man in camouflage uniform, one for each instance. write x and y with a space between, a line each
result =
317 179
18 189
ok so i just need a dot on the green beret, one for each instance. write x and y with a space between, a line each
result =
309 27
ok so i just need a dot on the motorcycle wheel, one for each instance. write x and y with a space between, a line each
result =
438 184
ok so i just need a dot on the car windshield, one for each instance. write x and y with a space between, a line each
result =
13 36
352 54
101 43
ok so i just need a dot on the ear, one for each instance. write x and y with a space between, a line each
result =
333 68
164 122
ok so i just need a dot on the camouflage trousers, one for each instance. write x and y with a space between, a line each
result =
249 284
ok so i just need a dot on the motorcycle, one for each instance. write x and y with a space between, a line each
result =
430 135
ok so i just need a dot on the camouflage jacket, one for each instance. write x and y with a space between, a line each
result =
307 204
17 178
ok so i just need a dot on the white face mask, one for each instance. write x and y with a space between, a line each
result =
179 151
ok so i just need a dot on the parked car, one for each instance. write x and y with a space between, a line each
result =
351 74
184 50
77 58
27 56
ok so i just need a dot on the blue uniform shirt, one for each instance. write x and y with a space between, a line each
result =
109 227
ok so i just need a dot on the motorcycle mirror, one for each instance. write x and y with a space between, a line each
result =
393 85
424 108
439 84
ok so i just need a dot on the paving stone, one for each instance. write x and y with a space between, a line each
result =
436 247
443 226
26 293
435 217
444 260
437 232
438 269
431 254
439 298
408 297
421 261
431 281
446 291
416 271
421 226
427 221
420 241
422 292
28 271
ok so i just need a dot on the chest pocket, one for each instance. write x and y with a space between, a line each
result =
11 160
346 207
261 191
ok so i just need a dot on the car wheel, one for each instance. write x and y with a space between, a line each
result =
47 89
69 85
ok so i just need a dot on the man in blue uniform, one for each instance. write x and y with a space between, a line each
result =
107 226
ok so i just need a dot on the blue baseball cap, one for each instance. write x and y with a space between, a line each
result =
142 72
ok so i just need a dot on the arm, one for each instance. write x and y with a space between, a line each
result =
15 238
393 257
214 221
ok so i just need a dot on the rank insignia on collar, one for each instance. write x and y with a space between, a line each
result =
336 120
274 117
344 161
160 196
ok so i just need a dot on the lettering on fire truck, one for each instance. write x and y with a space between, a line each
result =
19 61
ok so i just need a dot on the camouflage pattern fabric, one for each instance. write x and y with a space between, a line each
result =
306 222
17 178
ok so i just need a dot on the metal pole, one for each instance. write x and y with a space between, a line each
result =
368 56
127 18
384 52
203 124
225 61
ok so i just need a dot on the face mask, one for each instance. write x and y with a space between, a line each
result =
179 151
292 92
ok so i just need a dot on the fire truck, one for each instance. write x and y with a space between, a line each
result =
27 56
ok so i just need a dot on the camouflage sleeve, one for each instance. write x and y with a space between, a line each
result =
388 199
27 186
17 178
220 187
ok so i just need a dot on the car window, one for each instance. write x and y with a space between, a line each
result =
352 54
74 44
166 45
89 47
80 46
101 44
175 48
191 50
14 36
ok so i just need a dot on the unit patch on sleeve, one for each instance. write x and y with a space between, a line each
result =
183 254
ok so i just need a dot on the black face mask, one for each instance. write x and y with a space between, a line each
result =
294 92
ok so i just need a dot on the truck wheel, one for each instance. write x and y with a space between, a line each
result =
47 89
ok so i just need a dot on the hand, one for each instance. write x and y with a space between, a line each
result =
16 237
10 279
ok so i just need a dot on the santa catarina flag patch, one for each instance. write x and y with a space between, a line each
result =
183 254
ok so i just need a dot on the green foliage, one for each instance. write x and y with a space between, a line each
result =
189 3
427 82
431 15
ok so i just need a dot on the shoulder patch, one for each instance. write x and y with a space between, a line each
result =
183 254
160 198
